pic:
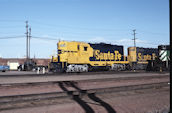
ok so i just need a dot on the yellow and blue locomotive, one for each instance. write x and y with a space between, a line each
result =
82 57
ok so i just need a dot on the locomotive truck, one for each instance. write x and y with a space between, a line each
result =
75 56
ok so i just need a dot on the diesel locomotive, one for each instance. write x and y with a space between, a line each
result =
162 62
75 56
139 57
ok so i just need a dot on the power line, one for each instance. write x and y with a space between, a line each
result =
75 27
150 43
10 27
12 37
22 36
153 33
44 38
81 34
10 20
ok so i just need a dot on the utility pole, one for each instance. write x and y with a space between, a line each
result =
134 63
29 40
26 39
134 37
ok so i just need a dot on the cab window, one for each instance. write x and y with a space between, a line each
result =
78 47
85 48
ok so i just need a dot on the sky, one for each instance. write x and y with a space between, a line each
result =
93 21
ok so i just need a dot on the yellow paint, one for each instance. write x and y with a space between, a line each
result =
80 52
73 52
53 59
139 57
132 54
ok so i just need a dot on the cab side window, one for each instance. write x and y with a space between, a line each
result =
85 48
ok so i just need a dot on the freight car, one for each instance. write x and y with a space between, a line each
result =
80 56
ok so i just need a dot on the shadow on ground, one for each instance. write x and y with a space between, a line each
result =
82 103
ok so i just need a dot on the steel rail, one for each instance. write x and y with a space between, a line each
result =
87 80
71 74
31 100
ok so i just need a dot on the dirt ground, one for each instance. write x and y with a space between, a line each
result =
145 101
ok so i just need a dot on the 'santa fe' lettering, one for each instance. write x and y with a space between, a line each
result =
107 56
146 57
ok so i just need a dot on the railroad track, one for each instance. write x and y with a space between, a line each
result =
83 73
32 100
88 80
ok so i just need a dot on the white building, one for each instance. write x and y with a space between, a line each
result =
13 65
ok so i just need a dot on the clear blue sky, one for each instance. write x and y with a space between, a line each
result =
110 21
